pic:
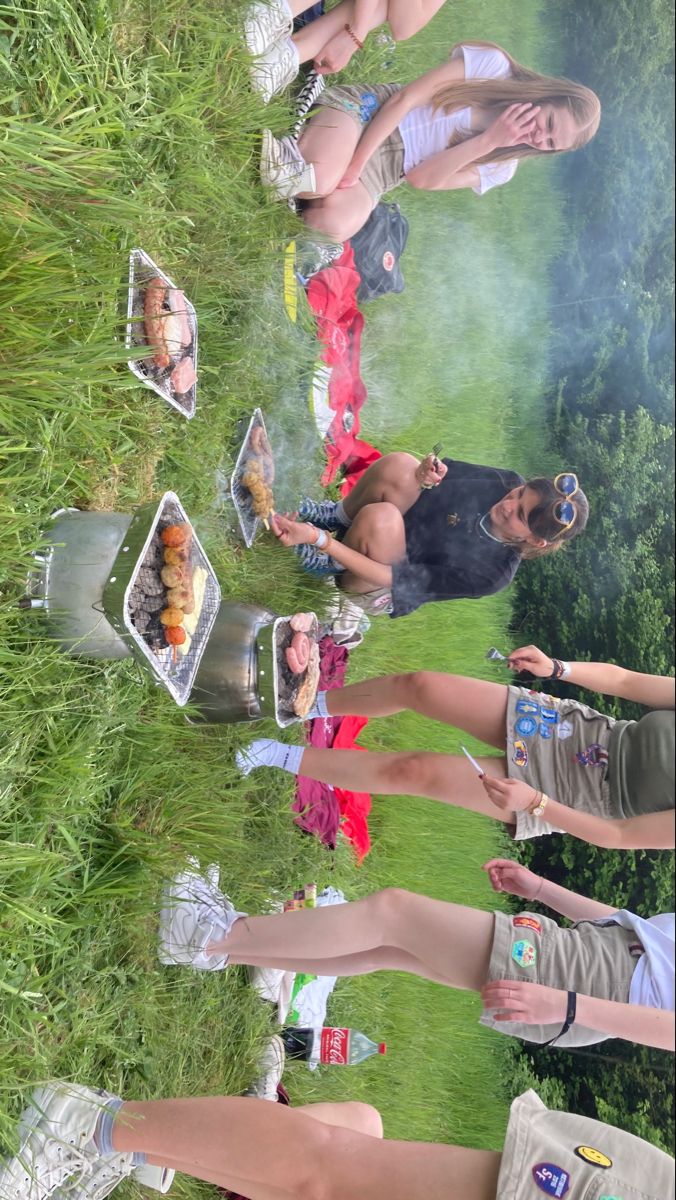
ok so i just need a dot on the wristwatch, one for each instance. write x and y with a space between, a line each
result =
540 808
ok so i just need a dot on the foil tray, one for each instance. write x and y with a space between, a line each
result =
248 521
269 646
176 675
141 269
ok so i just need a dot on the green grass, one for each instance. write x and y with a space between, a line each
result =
123 124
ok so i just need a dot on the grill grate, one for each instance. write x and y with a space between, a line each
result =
241 497
286 684
145 597
141 270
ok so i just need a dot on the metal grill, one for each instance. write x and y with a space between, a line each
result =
241 497
141 270
286 684
144 596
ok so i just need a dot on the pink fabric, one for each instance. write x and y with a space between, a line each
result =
320 809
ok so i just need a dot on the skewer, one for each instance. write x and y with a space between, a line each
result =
473 761
266 523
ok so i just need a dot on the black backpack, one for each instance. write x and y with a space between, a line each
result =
377 249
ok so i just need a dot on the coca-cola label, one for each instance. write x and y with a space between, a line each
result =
335 1046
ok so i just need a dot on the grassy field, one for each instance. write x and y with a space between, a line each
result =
127 124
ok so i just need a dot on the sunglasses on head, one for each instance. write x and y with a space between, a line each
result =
565 512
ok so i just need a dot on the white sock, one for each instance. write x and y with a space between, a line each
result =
319 709
341 516
265 752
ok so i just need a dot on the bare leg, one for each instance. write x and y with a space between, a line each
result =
377 532
385 958
445 777
474 705
340 215
391 478
329 141
312 38
452 941
271 1152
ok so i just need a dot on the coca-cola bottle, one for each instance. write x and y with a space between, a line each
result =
340 1047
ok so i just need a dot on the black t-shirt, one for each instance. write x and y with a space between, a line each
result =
448 555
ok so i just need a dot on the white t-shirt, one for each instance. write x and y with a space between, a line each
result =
427 131
652 983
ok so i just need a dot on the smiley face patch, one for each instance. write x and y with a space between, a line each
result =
596 1158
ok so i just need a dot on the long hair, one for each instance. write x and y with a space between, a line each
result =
523 86
543 523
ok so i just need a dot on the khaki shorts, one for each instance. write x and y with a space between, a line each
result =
596 959
559 747
385 168
558 1154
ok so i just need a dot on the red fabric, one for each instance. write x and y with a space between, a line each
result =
320 809
332 295
362 457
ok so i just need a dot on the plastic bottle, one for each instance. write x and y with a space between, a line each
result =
340 1047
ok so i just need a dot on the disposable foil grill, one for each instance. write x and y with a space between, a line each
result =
141 270
286 684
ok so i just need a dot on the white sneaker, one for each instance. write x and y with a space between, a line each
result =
266 24
194 912
56 1144
108 1173
272 1068
283 168
275 69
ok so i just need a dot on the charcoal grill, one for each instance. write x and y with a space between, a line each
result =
134 595
141 270
241 497
241 676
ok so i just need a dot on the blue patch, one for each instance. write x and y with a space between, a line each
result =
552 1180
368 107
526 726
527 706
545 731
524 953
549 714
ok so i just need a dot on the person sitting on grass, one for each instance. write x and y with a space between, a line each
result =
465 124
413 532
328 41
607 782
81 1142
611 975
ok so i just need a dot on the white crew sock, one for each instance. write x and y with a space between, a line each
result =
319 709
341 516
265 752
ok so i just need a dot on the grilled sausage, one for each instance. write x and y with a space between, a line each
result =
153 320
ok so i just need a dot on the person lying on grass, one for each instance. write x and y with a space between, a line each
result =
328 41
611 975
81 1142
564 767
465 124
413 532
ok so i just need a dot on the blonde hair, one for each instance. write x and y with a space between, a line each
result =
522 86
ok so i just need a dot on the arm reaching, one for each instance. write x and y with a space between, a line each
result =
299 533
535 1004
655 691
512 877
650 831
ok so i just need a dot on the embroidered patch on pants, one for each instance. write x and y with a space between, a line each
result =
524 953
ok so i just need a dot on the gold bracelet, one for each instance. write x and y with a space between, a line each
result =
539 808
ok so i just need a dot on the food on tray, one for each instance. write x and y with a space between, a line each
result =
175 635
298 653
302 622
171 616
183 376
172 576
182 597
166 322
253 479
306 694
176 535
199 584
262 450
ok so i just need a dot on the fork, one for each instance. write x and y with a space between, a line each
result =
436 449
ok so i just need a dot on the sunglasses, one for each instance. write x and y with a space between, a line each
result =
565 512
